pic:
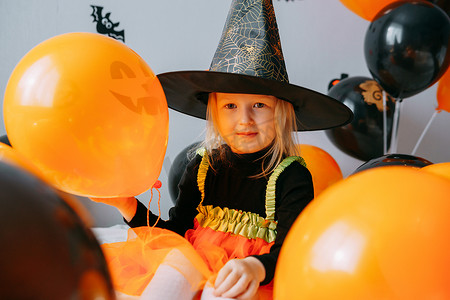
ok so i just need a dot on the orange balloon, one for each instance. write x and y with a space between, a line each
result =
443 92
90 114
324 169
441 169
378 234
11 156
367 9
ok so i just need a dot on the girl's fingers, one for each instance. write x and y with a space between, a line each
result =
227 284
250 292
239 278
223 273
238 288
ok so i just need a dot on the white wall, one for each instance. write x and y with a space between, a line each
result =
321 39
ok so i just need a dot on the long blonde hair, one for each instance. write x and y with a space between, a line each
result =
284 143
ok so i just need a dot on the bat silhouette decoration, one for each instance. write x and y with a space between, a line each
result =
105 25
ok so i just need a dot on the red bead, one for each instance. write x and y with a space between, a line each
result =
157 184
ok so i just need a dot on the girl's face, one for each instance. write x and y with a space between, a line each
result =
246 122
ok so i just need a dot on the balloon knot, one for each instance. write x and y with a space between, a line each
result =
157 184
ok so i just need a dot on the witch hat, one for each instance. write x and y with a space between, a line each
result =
249 60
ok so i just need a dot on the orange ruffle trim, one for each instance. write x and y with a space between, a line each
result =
133 263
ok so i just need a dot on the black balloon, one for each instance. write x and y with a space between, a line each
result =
443 4
335 81
4 139
177 169
406 47
46 251
363 138
394 160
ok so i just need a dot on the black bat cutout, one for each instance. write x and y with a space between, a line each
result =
105 25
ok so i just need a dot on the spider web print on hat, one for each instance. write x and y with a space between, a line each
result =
250 43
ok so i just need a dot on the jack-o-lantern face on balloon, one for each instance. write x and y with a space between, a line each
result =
104 133
123 76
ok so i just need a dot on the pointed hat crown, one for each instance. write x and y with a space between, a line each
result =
250 42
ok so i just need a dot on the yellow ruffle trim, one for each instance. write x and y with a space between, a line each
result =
271 184
202 170
246 224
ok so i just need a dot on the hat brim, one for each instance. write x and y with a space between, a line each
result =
187 92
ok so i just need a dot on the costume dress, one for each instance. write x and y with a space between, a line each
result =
223 213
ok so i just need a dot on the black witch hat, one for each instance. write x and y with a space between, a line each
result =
249 60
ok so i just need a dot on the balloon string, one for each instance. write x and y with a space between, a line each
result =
384 123
424 132
148 208
157 185
159 208
394 137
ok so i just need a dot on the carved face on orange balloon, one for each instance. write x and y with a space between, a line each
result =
103 130
123 76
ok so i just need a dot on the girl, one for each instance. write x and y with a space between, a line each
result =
244 188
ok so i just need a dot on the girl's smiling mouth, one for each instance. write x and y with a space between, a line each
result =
247 134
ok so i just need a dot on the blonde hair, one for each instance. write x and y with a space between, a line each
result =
284 143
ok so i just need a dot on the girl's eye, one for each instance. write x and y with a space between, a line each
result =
230 105
259 105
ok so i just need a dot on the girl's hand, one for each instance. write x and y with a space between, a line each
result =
126 205
239 278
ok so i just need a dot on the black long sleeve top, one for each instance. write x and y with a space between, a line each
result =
230 184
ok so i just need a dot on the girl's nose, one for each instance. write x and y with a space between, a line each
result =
246 116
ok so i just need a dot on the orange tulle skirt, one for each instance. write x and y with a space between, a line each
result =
133 263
